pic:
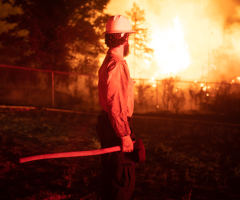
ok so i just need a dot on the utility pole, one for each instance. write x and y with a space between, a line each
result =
209 47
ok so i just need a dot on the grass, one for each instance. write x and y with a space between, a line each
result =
185 160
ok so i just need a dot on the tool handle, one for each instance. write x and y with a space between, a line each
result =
71 154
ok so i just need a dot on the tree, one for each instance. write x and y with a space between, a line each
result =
178 100
167 89
194 94
140 38
50 34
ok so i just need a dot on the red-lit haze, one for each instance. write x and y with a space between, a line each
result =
192 39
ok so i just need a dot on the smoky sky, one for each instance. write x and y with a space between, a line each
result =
211 31
227 11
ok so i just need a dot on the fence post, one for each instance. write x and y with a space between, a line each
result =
157 95
53 89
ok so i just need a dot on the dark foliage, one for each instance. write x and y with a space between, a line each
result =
49 33
186 159
227 99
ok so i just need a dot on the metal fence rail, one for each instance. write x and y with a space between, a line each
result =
65 90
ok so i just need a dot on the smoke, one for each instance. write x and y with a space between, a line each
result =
211 31
227 11
227 60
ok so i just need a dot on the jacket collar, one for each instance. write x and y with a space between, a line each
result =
115 53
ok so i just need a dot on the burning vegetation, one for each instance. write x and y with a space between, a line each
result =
185 55
184 60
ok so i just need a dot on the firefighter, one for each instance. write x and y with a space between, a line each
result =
116 98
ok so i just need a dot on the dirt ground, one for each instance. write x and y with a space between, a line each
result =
188 157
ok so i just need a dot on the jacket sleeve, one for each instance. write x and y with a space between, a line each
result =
117 96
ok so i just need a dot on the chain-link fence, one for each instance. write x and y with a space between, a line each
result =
175 96
43 88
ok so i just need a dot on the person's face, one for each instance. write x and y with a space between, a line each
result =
126 49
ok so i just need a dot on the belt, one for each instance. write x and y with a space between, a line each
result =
105 114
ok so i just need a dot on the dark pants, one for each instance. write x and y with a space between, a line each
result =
118 173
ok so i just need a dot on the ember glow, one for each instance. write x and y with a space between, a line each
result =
193 40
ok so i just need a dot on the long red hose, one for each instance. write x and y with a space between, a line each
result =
71 154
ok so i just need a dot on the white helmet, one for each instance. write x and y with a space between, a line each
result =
118 24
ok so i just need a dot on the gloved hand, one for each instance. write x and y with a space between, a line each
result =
127 144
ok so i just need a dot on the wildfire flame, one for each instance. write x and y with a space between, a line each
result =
170 49
212 39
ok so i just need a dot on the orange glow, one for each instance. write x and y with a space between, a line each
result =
193 40
170 49
153 81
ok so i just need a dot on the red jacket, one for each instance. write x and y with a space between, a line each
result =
116 91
